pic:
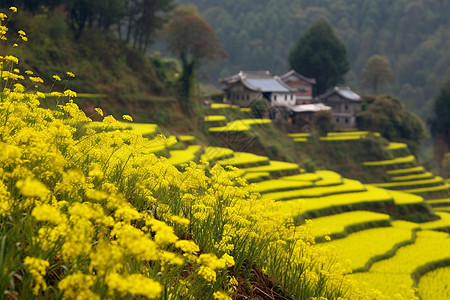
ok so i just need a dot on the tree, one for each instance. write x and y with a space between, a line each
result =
143 19
194 42
320 54
323 122
386 115
377 72
440 123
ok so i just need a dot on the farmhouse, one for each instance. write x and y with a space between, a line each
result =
246 86
345 105
303 86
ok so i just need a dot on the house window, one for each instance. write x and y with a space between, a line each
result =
248 97
275 97
285 97
337 120
346 106
346 120
292 97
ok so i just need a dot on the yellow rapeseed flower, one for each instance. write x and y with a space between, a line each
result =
49 213
37 268
99 111
13 9
12 59
3 16
77 286
70 93
56 78
36 79
70 74
127 118
21 32
32 188
221 296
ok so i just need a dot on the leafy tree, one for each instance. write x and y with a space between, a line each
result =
103 13
377 72
323 122
320 54
194 42
386 115
143 19
440 123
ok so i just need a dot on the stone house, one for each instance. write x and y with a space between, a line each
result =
345 105
246 86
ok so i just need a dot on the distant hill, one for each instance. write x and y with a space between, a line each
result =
414 35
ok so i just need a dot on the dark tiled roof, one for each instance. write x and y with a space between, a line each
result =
298 75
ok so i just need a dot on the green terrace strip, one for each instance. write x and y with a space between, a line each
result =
434 284
340 225
417 183
275 167
186 138
223 105
242 159
425 175
361 249
407 171
391 274
372 197
143 128
348 186
256 176
178 157
215 153
401 198
396 146
215 118
443 224
396 161
240 125
443 209
275 185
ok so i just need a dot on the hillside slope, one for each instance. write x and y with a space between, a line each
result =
413 34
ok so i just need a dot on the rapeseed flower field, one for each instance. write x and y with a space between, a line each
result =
88 211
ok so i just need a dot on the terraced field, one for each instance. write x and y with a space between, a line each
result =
353 218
